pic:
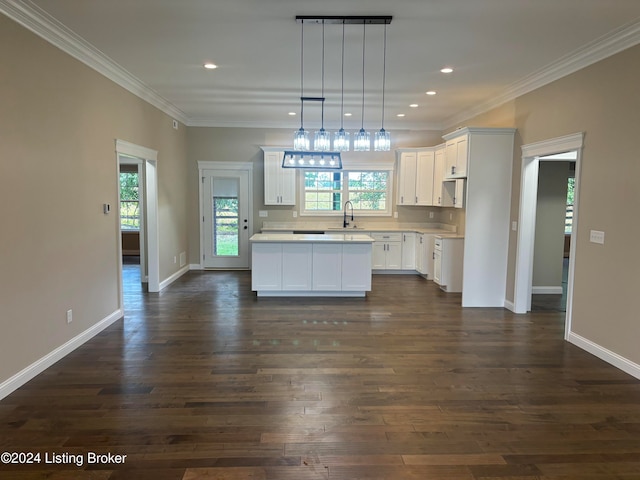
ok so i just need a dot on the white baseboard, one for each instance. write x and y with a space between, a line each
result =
608 356
174 277
510 306
195 266
37 367
546 290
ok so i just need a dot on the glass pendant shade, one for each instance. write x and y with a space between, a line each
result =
301 140
382 141
322 141
341 141
362 141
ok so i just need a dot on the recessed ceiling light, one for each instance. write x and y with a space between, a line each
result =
348 114
414 105
431 92
400 115
210 66
446 70
292 114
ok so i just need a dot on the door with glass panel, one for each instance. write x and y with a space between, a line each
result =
226 219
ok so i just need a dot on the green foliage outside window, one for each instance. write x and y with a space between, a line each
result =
129 201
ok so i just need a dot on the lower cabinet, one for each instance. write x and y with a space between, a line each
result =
387 251
409 251
311 268
447 264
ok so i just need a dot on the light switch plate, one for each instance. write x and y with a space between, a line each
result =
596 236
263 213
514 226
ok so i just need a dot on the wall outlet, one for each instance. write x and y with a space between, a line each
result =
430 214
451 216
295 214
175 259
175 124
514 226
69 316
395 214
263 213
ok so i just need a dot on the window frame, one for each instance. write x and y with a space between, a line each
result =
387 212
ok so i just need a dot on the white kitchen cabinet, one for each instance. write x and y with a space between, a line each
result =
487 203
448 261
438 175
296 266
327 266
387 251
424 254
266 267
279 183
457 154
453 192
415 172
356 268
409 251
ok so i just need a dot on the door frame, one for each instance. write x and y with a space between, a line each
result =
531 154
147 159
222 166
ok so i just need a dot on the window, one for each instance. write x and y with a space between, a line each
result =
225 225
568 219
129 201
325 192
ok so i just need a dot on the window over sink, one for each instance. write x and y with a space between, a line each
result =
325 192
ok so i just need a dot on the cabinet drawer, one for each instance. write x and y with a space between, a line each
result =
387 236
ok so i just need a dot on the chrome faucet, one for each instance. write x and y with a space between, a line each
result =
345 223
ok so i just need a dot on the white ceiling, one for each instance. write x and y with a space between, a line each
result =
498 48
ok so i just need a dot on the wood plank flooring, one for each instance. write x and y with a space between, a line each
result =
206 381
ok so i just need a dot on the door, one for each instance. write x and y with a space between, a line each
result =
226 219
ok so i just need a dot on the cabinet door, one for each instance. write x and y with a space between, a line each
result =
462 153
438 175
266 266
407 181
450 154
356 267
287 185
296 266
272 167
327 267
378 257
421 261
424 178
458 198
429 241
409 251
437 267
394 256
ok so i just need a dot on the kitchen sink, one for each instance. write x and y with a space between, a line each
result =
345 228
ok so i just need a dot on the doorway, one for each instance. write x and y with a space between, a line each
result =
531 155
145 162
226 204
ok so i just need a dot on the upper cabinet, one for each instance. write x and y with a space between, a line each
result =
438 175
456 155
416 176
279 183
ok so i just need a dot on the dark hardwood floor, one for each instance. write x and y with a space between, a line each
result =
206 381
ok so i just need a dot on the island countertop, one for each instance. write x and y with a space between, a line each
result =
311 238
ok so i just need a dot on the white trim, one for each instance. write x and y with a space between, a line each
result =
168 281
47 27
562 144
138 151
195 266
509 306
608 356
609 44
209 165
550 290
23 376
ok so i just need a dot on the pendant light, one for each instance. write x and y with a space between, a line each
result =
382 140
301 136
362 139
341 138
322 139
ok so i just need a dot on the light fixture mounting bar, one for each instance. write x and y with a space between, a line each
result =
346 20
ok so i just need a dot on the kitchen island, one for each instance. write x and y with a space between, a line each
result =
311 265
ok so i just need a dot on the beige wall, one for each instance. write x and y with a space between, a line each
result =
58 123
603 101
551 211
243 145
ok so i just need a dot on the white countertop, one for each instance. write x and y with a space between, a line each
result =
434 228
311 238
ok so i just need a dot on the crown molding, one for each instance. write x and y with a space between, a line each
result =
45 26
614 42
